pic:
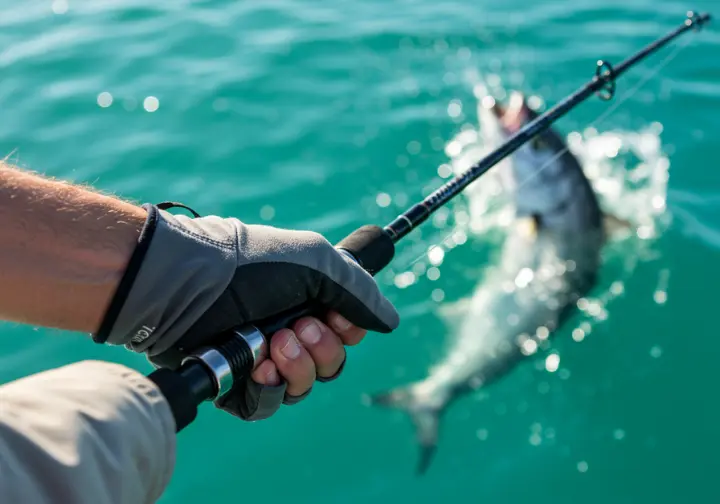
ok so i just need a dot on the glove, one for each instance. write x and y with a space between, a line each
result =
191 279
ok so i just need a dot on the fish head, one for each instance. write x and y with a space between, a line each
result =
499 122
542 172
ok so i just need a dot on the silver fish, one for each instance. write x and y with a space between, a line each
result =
549 260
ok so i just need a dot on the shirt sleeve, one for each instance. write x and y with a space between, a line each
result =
91 432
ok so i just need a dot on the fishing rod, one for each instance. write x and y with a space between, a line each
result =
211 372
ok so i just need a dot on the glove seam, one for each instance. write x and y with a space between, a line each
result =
346 288
209 241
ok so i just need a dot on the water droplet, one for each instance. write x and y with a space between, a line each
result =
445 170
454 108
433 274
267 212
529 347
459 237
660 297
438 295
535 439
655 352
617 288
564 374
644 232
524 277
453 148
535 102
619 434
482 434
436 255
542 333
658 202
404 280
578 335
536 427
582 466
383 200
151 104
104 99
493 80
413 147
552 362
464 53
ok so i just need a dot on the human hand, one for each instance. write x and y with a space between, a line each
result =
311 350
197 278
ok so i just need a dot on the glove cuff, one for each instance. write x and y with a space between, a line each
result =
179 268
131 273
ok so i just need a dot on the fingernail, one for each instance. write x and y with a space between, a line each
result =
311 334
291 350
271 377
341 322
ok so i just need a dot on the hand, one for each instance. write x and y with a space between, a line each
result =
310 350
192 279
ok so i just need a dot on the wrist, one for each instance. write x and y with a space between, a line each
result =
177 270
128 275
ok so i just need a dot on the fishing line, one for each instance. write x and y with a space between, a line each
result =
626 96
629 94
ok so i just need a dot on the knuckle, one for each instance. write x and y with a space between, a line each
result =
316 241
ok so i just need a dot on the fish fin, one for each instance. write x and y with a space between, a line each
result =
426 419
529 226
615 226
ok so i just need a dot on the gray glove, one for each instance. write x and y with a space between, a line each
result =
192 279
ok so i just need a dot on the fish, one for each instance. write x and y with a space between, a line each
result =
550 258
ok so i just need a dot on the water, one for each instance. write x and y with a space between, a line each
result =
328 116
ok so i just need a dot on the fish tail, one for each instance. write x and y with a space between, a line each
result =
425 417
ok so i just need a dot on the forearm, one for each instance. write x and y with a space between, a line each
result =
63 250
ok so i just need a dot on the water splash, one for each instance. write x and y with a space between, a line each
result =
629 172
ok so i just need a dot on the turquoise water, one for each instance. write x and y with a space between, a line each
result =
327 116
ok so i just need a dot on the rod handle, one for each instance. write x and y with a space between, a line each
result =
177 391
370 246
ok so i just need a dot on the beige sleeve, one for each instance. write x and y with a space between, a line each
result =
91 432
